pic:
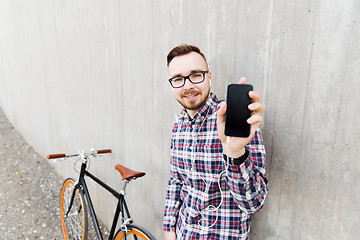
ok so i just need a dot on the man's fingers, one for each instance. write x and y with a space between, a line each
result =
256 107
220 121
221 113
255 119
242 80
255 96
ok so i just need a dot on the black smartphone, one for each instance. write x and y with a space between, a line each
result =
237 111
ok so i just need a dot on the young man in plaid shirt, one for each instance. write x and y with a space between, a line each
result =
207 196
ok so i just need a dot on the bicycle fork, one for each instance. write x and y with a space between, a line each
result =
81 186
76 187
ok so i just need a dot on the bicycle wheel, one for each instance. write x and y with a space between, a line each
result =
74 225
134 232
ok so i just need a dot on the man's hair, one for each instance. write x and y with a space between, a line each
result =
183 50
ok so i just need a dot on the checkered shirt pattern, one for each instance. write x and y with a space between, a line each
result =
197 170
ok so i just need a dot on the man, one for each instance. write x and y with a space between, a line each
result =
216 182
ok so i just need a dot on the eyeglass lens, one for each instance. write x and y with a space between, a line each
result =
196 77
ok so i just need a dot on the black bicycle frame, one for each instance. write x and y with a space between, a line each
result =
119 209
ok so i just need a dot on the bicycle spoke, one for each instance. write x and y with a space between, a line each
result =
76 228
74 210
75 222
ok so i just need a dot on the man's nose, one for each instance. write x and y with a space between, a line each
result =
188 84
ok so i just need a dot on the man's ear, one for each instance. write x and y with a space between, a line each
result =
210 78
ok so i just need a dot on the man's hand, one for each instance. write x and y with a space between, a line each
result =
237 144
170 235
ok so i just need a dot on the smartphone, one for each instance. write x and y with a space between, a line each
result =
237 111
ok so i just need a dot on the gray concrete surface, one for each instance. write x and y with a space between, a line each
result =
29 191
75 75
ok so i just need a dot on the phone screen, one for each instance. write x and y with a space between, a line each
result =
237 111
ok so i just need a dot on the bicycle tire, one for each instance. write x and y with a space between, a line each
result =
134 232
74 226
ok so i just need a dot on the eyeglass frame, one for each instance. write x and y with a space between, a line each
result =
188 77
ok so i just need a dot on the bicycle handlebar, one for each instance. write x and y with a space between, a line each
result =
52 156
63 155
103 151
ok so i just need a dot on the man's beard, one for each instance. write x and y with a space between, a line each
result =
192 105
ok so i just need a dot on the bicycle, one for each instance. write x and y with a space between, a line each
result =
73 210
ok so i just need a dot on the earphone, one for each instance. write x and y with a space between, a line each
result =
212 208
209 208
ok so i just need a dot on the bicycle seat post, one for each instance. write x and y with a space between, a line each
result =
123 191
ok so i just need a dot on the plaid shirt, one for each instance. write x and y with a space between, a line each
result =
193 197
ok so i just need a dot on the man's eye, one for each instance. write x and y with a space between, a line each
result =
177 79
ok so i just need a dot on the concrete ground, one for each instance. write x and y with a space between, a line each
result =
29 190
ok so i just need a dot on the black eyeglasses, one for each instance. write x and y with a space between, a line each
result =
195 77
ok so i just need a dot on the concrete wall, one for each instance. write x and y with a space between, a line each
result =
81 74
